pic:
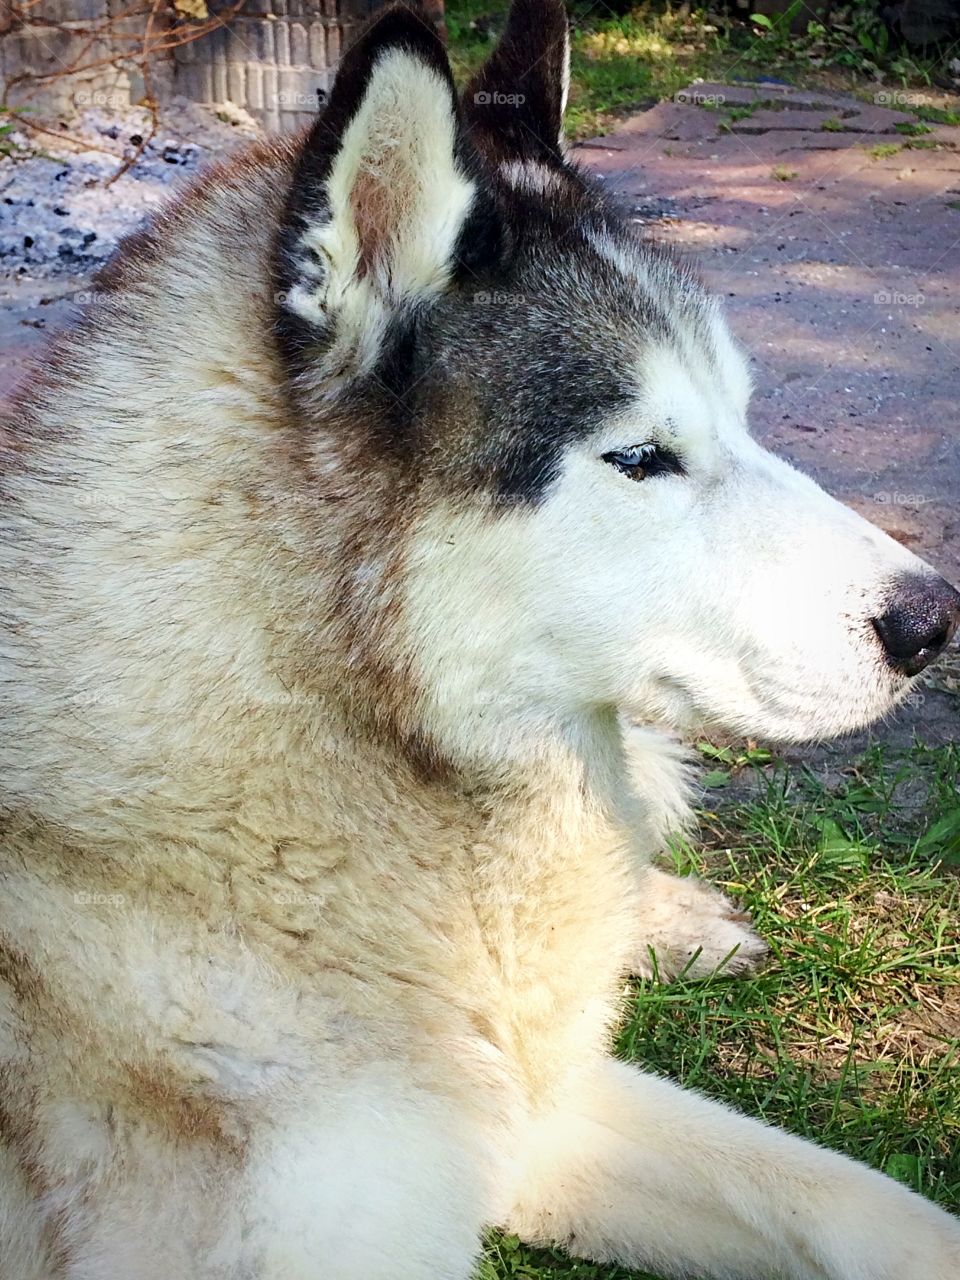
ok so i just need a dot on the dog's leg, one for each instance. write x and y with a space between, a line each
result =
647 1175
692 929
381 1181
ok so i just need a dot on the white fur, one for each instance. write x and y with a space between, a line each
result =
532 175
380 1178
736 597
639 1172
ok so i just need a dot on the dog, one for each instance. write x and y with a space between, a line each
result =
364 550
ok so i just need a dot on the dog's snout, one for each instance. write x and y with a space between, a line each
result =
918 623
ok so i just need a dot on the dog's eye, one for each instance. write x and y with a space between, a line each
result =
643 461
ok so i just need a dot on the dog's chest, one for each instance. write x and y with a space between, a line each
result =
555 933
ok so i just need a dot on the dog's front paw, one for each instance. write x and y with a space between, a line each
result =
692 929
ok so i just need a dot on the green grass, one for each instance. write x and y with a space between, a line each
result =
883 150
937 115
851 1035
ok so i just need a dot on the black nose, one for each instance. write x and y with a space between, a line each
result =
918 623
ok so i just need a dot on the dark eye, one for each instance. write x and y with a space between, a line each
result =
644 460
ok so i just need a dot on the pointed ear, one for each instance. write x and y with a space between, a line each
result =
514 105
380 193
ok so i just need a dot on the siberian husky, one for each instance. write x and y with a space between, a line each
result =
391 480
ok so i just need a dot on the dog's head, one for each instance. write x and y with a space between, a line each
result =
551 415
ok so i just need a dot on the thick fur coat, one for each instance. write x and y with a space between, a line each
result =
361 553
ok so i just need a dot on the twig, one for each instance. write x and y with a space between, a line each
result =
145 141
81 143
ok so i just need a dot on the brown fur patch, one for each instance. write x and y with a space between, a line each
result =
18 1135
161 1096
19 975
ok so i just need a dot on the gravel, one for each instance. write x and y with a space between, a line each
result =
58 216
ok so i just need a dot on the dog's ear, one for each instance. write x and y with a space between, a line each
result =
380 193
515 103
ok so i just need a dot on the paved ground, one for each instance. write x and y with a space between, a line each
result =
29 310
835 241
